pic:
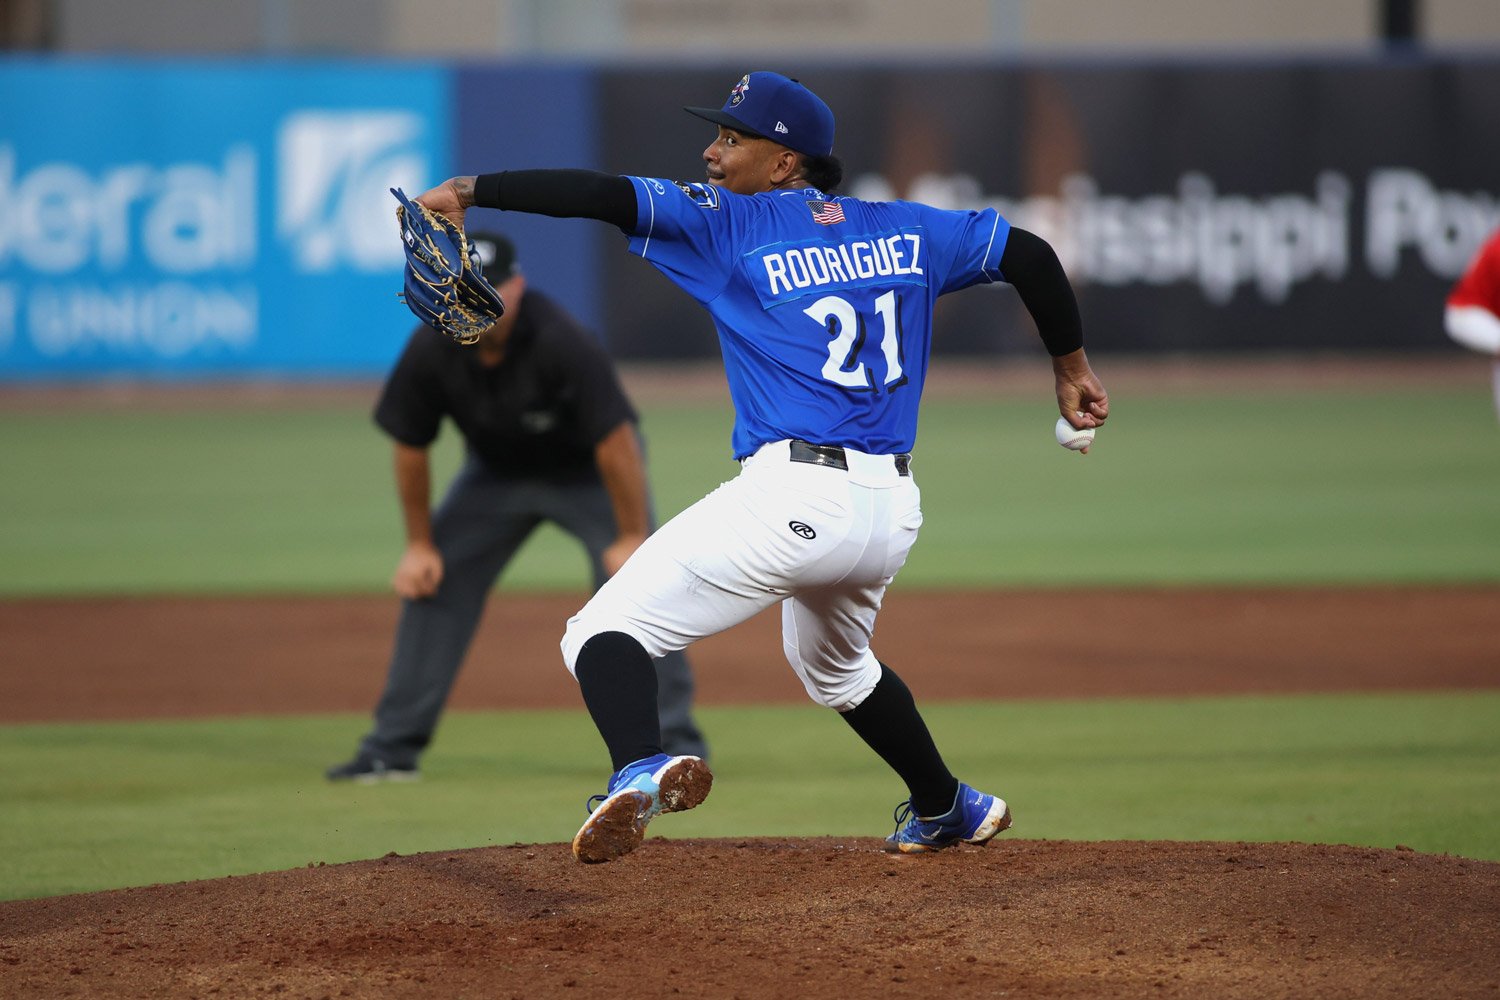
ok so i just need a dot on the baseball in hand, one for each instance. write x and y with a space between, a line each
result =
1071 437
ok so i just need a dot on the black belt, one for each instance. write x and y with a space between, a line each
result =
833 456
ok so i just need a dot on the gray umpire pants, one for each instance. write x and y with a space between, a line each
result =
478 528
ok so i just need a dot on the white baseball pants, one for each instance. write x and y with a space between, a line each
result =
825 542
1479 330
1475 327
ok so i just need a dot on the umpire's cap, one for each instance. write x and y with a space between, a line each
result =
778 108
497 256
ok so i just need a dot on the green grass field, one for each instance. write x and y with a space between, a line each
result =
100 806
1345 487
1309 488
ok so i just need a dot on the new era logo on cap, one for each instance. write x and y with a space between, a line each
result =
774 106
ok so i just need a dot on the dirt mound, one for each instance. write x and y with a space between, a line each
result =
825 917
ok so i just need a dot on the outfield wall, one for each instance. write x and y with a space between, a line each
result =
190 219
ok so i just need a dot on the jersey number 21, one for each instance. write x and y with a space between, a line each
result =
847 328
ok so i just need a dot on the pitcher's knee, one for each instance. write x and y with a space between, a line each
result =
574 636
581 628
836 687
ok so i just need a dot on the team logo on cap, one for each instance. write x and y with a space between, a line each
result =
738 93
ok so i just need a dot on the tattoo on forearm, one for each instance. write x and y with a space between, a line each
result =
465 188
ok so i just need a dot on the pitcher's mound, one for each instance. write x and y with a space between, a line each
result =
822 917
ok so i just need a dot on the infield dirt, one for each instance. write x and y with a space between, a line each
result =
766 917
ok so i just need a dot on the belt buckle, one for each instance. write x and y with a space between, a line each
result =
832 456
827 455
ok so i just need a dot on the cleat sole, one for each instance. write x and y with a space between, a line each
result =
684 783
615 828
618 825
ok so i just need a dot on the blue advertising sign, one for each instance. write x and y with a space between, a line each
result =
196 218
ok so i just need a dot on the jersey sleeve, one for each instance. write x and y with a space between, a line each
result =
966 246
410 408
689 231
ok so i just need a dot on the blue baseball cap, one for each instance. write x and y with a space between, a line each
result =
778 108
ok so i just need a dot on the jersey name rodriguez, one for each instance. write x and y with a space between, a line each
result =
783 272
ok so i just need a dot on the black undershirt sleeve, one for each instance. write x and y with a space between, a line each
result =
1030 264
562 194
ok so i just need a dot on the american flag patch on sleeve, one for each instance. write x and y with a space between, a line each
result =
826 213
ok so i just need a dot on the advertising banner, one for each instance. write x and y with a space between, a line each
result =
198 219
191 219
1197 207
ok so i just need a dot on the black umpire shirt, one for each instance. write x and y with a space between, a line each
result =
537 414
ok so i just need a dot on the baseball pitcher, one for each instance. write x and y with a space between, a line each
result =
823 306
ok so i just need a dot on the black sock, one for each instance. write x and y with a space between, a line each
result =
618 681
889 722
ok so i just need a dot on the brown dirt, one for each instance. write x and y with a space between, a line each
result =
122 658
764 917
798 918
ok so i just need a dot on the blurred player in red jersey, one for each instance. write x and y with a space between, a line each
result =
1473 313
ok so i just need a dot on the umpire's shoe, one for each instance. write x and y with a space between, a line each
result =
372 770
974 819
637 793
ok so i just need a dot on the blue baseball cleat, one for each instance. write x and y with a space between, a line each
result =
637 794
974 819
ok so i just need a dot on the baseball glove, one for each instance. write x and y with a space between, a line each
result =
444 285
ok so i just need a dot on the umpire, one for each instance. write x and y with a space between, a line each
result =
549 436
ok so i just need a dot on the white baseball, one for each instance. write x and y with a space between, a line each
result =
1071 437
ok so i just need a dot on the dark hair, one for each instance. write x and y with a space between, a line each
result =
823 172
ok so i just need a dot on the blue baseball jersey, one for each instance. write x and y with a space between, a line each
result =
823 305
